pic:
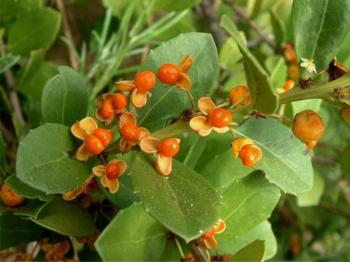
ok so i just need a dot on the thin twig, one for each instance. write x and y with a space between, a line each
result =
198 253
16 105
68 33
334 210
242 14
210 15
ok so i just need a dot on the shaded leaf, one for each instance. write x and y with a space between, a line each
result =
7 61
2 155
184 202
15 230
30 208
43 160
132 235
284 160
313 196
41 27
65 218
279 30
65 97
255 251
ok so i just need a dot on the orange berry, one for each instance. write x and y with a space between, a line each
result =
289 53
288 85
168 74
145 80
10 197
220 117
107 109
240 95
345 113
94 145
113 170
130 132
311 144
237 144
120 101
104 135
293 72
169 147
308 126
209 234
250 155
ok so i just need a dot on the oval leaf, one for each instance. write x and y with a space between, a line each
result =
255 251
133 235
65 218
284 160
184 202
65 97
250 195
170 102
319 27
43 161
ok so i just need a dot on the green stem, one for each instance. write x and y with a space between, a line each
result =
175 129
315 91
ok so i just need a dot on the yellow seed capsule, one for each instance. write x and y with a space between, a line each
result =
237 144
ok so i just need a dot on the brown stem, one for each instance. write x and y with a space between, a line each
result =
242 14
16 105
67 33
334 210
198 253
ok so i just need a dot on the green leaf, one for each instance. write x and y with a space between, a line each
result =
203 73
30 208
65 97
7 61
179 5
319 27
35 74
313 196
279 30
117 7
217 164
34 29
229 53
247 203
184 202
264 95
65 218
10 8
253 252
283 161
133 235
43 161
344 160
262 231
4 101
24 190
2 156
15 230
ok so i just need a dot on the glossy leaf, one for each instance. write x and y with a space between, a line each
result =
43 160
41 27
30 208
35 74
319 27
15 230
24 190
284 160
65 218
264 95
65 97
160 107
313 196
7 61
262 231
184 202
255 251
247 203
133 235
